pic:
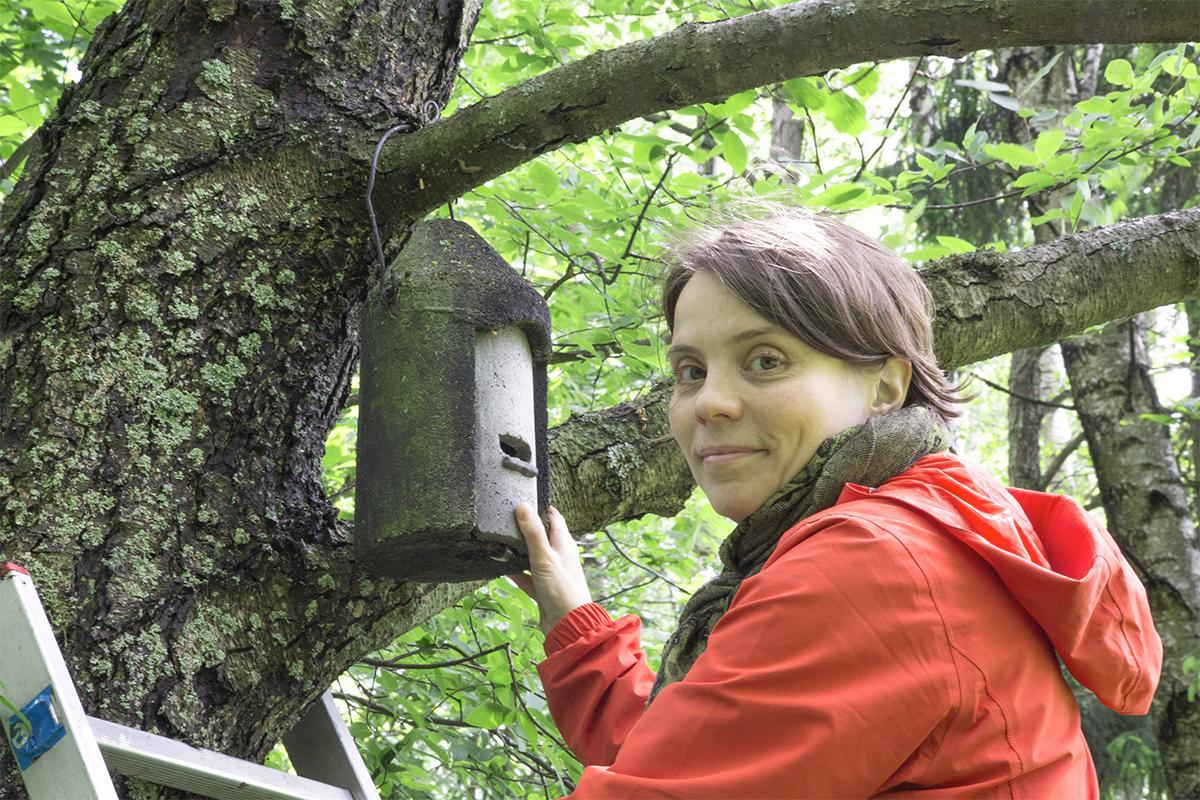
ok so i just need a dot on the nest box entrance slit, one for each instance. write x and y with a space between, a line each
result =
452 413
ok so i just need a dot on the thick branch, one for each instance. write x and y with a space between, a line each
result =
619 464
708 62
989 304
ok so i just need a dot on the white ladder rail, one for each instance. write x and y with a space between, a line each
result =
77 763
157 759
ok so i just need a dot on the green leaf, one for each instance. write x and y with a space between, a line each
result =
969 138
1076 209
1011 154
927 164
1095 105
838 195
1044 116
1047 143
1043 72
1004 101
1119 72
864 81
734 151
544 179
985 86
804 93
489 715
847 114
1060 163
647 151
955 245
1026 179
734 104
1049 216
24 103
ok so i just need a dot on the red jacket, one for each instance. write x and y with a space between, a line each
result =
901 642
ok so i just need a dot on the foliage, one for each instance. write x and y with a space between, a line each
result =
585 225
1191 670
41 43
1140 773
454 708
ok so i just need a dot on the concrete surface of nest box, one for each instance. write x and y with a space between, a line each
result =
452 411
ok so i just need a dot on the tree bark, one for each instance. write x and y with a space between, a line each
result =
1025 415
990 304
182 266
1146 506
1058 89
1192 309
184 261
787 135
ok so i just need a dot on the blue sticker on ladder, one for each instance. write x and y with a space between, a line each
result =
43 731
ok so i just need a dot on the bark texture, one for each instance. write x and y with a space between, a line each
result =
618 464
1192 309
787 134
1146 506
183 264
990 304
1025 414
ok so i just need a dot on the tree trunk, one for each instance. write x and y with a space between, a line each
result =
1057 89
1146 506
787 134
1025 413
184 263
1192 309
1017 68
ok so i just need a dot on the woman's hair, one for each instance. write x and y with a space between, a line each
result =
837 290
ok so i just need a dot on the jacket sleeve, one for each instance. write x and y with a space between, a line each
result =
831 669
596 681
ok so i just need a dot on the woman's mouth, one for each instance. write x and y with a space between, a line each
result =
712 456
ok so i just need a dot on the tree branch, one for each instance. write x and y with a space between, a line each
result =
700 63
1060 458
621 463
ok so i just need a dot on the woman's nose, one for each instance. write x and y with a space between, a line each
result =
717 398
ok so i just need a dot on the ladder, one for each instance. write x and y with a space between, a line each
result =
63 753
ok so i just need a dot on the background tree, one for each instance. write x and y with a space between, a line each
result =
185 255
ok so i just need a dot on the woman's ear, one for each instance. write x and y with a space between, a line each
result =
891 385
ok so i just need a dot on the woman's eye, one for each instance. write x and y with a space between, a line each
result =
765 363
687 373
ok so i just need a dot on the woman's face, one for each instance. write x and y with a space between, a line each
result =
752 402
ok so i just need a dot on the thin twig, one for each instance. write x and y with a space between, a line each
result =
640 565
1020 396
392 664
1059 460
19 155
912 78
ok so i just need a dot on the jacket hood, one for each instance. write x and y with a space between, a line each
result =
1064 569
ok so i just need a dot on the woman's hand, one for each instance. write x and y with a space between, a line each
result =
555 579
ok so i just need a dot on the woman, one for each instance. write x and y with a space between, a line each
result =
888 614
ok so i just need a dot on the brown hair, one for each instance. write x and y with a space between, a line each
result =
837 290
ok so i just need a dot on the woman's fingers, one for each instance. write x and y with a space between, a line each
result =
555 579
533 531
559 538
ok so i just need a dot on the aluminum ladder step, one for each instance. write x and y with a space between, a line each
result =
69 754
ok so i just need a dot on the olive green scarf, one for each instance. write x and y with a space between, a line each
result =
867 454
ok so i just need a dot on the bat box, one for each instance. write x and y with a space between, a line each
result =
452 411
